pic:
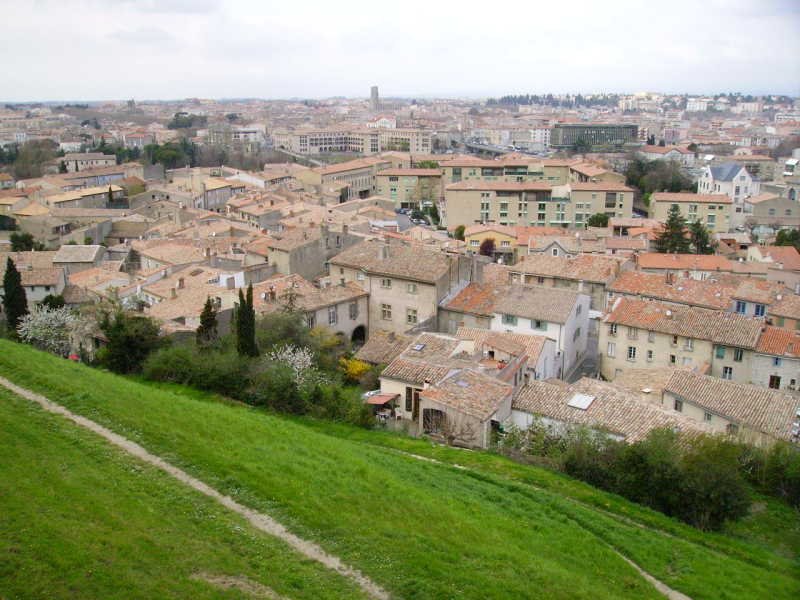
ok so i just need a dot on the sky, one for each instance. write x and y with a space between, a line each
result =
169 49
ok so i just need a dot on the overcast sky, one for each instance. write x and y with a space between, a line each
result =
148 49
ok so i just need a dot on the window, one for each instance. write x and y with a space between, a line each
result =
386 312
719 352
611 350
540 280
311 320
689 345
578 310
555 251
577 334
505 244
333 315
612 329
631 352
411 316
776 361
732 428
509 320
353 311
775 382
651 336
649 356
707 417
360 276
633 333
674 340
678 405
727 372
409 399
741 307
672 359
738 354
386 283
536 324
475 243
686 361
411 288
760 310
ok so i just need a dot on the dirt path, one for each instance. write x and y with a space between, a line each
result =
258 520
662 587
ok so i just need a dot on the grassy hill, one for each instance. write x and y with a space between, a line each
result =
419 529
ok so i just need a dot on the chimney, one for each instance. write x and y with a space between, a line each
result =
181 283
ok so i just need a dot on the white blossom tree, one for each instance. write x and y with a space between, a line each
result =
300 360
49 329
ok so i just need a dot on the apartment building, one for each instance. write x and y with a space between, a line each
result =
368 140
712 210
410 188
91 197
770 210
358 175
533 202
649 334
596 136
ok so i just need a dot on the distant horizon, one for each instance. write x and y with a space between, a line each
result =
468 97
175 49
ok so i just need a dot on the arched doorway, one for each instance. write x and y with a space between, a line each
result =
359 336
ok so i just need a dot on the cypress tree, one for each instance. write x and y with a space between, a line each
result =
15 304
246 324
673 239
207 331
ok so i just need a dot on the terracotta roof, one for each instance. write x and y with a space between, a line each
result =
759 290
470 392
690 197
689 262
532 344
727 329
476 299
584 267
709 293
77 253
612 408
788 256
351 165
769 411
779 342
383 347
404 261
788 306
537 302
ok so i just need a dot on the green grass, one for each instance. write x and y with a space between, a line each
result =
80 519
422 530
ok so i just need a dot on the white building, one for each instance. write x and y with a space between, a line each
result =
733 180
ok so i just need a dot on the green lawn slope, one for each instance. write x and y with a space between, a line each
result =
419 529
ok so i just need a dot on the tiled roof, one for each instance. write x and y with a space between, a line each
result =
584 267
788 256
537 302
690 197
600 186
72 253
308 297
470 392
727 329
769 411
476 299
779 342
532 344
759 290
169 251
699 262
709 293
351 165
41 276
612 408
383 347
410 172
404 261
788 306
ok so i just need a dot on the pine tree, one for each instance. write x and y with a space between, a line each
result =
246 324
673 239
207 331
15 303
701 240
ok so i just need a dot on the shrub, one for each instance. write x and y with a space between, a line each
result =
353 369
782 472
131 339
273 385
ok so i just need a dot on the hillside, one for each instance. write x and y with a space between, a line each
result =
417 528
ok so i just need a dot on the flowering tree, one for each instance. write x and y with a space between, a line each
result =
48 329
300 360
